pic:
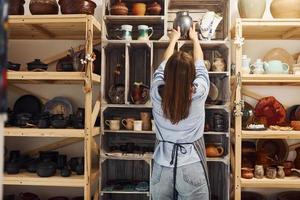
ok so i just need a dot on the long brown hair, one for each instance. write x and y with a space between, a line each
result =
176 94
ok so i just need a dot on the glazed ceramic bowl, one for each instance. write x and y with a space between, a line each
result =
43 7
77 7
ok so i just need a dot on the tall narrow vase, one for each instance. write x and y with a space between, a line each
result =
252 8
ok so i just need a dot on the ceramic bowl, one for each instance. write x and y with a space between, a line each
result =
43 7
77 7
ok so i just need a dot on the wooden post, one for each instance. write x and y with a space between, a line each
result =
238 117
88 110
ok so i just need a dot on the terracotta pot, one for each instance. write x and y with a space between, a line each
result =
252 8
297 160
16 7
154 8
285 8
43 7
247 173
77 7
214 150
295 125
119 8
138 9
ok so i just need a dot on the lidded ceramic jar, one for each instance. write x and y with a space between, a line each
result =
154 8
119 8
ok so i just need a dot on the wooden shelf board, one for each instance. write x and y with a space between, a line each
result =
49 77
224 159
287 182
271 134
271 29
215 133
121 156
49 132
96 131
270 78
226 106
121 19
123 192
25 178
51 27
130 131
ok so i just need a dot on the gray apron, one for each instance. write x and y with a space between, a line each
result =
199 146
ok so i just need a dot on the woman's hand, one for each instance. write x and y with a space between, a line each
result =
193 33
175 34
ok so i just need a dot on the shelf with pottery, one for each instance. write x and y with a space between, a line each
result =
35 132
270 134
224 159
286 183
120 19
270 29
270 78
52 27
128 131
25 178
50 77
125 156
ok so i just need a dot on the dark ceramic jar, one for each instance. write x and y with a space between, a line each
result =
43 7
28 196
37 64
59 198
80 166
65 172
46 168
16 7
12 167
184 21
154 8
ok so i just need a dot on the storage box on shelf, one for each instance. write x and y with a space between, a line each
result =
81 27
125 62
262 29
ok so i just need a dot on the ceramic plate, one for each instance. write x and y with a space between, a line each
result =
280 54
59 105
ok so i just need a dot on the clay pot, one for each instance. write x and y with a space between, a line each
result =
219 65
297 160
138 9
46 168
288 165
154 8
16 7
247 173
65 172
184 21
285 8
77 7
140 93
37 64
43 7
146 121
214 150
252 8
119 8
259 171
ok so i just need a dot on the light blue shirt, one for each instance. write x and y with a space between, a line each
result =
187 130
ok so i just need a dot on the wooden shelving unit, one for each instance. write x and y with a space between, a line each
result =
261 29
148 55
71 27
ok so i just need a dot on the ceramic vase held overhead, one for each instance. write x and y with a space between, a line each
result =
285 8
251 8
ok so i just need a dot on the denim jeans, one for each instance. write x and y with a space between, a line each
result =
191 183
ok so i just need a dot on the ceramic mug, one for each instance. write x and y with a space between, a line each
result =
137 125
276 67
271 172
259 171
128 123
126 30
144 32
114 125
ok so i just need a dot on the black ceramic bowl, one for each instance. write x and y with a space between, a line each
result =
14 66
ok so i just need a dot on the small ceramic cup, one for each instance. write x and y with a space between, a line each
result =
259 171
114 125
137 125
128 123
